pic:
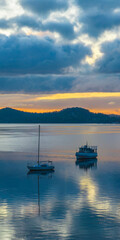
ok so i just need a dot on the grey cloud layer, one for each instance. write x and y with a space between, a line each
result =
97 83
52 84
2 2
36 84
21 54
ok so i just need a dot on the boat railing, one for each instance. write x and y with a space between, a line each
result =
45 161
40 162
93 147
87 146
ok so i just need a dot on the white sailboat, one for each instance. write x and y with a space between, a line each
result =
41 165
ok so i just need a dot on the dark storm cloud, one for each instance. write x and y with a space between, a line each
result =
110 62
44 7
36 84
63 27
21 54
101 5
99 16
4 24
96 23
26 21
21 21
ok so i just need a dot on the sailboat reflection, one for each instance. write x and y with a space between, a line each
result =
87 164
40 175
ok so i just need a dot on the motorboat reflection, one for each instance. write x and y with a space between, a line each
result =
87 164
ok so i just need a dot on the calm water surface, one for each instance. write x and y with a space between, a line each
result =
74 202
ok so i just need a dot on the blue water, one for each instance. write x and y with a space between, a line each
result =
74 202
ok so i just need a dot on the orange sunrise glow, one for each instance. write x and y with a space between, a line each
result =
104 102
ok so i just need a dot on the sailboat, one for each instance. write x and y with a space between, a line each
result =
41 165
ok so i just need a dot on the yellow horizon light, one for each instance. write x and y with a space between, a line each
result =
59 96
41 103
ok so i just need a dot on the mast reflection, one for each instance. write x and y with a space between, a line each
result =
40 175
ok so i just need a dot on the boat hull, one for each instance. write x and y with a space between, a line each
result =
37 168
81 156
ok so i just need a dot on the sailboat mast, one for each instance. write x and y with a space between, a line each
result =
38 144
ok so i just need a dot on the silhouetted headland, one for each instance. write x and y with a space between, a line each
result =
68 115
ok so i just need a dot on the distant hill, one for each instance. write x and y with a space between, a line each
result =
68 115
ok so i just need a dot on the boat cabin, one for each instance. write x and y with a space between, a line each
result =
88 149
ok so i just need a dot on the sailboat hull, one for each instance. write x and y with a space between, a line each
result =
40 168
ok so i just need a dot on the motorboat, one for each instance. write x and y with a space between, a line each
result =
40 165
86 152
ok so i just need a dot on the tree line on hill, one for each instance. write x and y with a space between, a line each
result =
68 115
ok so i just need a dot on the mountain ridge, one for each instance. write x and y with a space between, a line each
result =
67 115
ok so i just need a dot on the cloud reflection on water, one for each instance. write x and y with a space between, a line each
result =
74 203
60 207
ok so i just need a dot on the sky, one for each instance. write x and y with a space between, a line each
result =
56 54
